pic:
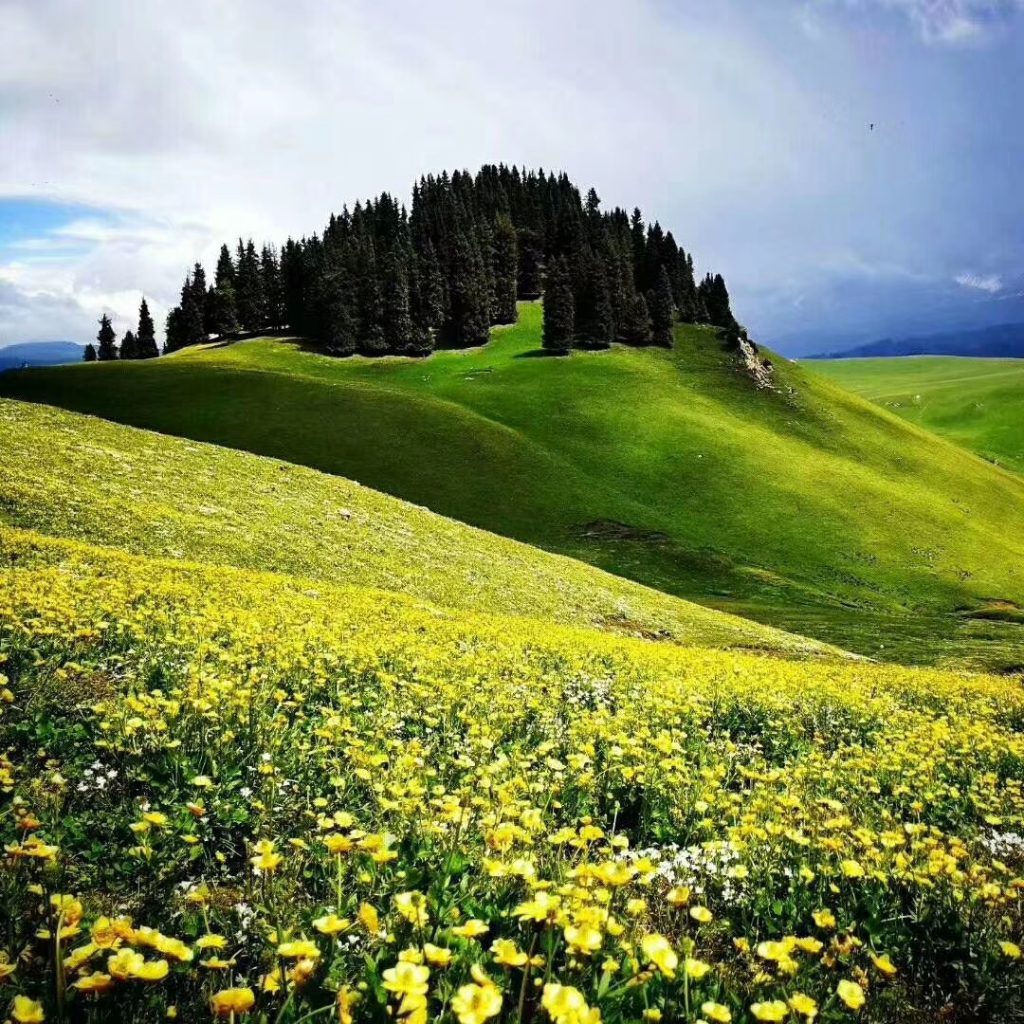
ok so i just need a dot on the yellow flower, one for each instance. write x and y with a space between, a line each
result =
266 861
658 951
473 1004
562 1000
369 918
331 924
804 1005
852 869
230 1001
211 941
716 1012
298 949
152 970
27 1011
701 914
1010 949
507 953
679 896
436 956
124 964
413 907
884 964
95 983
472 929
851 993
824 919
541 907
696 969
408 982
775 1010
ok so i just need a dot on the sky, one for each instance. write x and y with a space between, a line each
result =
852 167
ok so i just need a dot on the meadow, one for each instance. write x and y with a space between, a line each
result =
336 791
803 507
978 403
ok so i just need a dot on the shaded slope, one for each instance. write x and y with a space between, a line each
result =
806 504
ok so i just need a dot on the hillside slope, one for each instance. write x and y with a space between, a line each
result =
978 403
72 476
806 506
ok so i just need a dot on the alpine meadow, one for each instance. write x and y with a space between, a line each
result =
471 604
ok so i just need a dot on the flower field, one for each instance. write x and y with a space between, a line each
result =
236 795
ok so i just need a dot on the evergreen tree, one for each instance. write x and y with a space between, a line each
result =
129 346
146 338
559 310
594 324
225 273
505 271
397 319
249 298
90 353
468 321
530 265
637 326
715 297
174 335
273 291
662 310
106 350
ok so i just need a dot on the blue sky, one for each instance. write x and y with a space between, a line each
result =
744 126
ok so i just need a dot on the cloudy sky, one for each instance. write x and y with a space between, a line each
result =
138 134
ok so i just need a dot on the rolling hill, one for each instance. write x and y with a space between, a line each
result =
802 506
294 792
39 353
997 341
978 403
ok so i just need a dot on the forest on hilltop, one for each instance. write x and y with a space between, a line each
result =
381 279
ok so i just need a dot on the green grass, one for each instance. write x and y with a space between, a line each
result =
978 403
805 504
81 479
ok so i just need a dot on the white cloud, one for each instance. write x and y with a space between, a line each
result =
949 22
990 283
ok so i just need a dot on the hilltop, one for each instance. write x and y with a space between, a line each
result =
978 403
800 504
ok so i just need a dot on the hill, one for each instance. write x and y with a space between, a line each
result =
978 403
1005 341
39 353
264 792
802 506
72 476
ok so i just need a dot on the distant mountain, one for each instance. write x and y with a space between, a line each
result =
1004 341
40 353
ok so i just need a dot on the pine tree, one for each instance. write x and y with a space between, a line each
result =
397 320
559 311
595 326
90 353
106 350
146 338
505 271
715 298
249 297
468 321
637 326
273 292
662 310
129 346
531 260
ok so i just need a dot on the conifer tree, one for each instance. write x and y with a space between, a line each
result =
594 325
106 349
637 327
662 310
249 297
468 321
715 297
129 346
146 338
505 271
273 293
90 353
397 319
530 282
559 311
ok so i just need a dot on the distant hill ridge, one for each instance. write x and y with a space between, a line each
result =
1002 341
39 353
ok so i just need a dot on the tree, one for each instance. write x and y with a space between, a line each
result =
129 346
505 271
90 353
637 326
559 309
662 310
595 325
146 338
715 297
106 350
249 296
468 321
273 291
397 320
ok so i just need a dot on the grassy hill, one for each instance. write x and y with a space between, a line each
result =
978 403
76 477
227 789
805 507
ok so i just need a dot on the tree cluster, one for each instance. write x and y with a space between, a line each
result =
137 344
383 279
